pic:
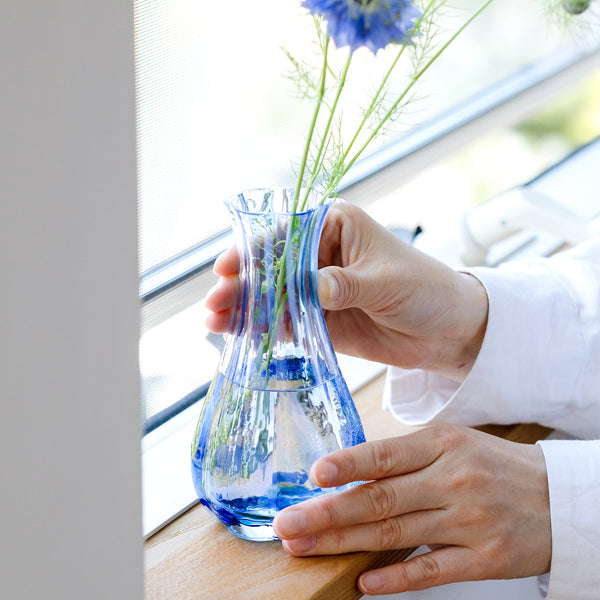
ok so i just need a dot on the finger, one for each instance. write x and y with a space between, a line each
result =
367 503
440 567
219 322
436 546
377 460
223 295
227 263
406 531
220 301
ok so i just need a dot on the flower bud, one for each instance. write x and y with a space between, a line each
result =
576 7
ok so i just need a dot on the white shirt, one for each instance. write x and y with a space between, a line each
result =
539 362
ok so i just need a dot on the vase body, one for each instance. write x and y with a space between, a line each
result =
278 401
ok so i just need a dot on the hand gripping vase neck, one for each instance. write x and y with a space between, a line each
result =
278 401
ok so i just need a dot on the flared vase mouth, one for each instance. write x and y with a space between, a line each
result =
275 200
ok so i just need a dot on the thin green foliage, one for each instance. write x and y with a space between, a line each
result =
326 159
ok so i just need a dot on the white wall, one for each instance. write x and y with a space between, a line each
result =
70 505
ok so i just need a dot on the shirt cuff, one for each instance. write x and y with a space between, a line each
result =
574 489
416 397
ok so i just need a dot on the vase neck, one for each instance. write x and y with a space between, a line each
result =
279 336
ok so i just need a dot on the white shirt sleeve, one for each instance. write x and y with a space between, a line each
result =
574 484
539 362
540 357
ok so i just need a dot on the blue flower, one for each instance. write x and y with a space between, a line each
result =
370 23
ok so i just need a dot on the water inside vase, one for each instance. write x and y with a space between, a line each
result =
237 472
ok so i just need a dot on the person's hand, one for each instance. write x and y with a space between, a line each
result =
481 502
384 300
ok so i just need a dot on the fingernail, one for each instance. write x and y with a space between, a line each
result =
371 582
301 545
327 287
289 523
325 473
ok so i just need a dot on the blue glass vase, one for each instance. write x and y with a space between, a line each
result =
278 400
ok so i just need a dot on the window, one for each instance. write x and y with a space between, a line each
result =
216 115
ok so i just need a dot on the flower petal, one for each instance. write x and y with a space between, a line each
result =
373 23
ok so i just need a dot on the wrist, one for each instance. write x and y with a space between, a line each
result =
463 339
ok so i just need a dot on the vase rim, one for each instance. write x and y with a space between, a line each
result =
240 201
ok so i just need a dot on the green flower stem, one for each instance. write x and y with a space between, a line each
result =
313 124
346 159
323 145
380 90
280 294
374 102
347 165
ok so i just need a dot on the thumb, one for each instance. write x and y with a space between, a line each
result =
338 288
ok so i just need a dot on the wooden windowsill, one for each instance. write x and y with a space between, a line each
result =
196 557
